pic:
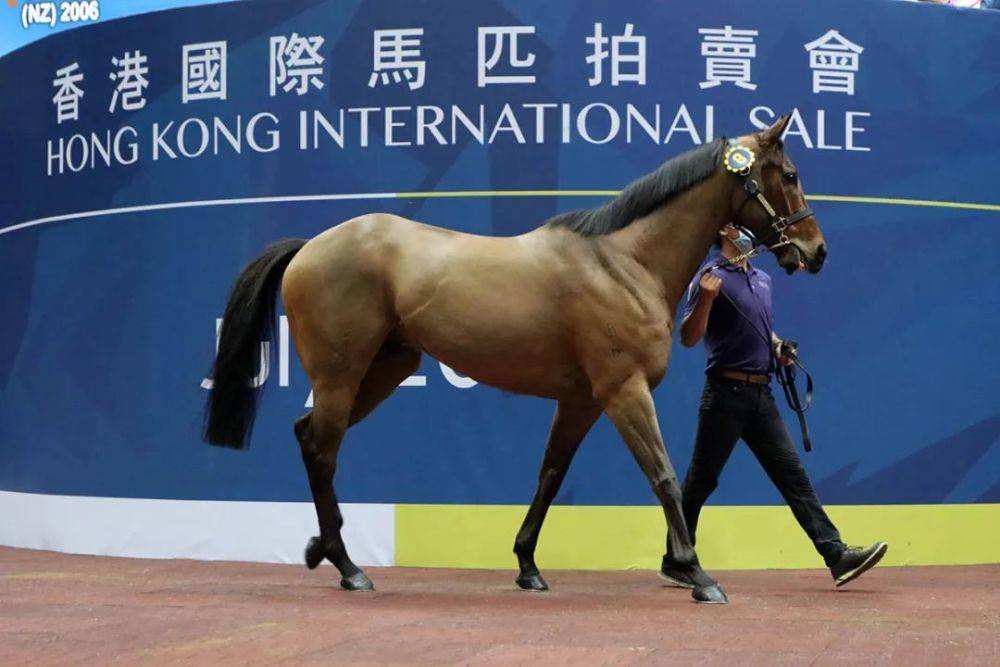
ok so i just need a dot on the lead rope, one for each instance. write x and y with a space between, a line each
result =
738 160
784 374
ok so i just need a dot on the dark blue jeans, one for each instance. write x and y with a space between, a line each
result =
730 410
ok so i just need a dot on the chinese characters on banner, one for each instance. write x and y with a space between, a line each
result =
203 71
833 59
499 36
600 54
397 52
130 80
296 64
727 56
68 93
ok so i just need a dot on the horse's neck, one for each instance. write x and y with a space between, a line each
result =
672 241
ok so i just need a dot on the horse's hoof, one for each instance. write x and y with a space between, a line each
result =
314 553
532 582
712 594
357 582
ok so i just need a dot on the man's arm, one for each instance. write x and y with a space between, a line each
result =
696 321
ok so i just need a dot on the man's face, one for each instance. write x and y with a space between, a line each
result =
728 232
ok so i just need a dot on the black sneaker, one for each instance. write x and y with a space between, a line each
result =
675 575
855 561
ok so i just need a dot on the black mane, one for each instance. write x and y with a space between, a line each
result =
643 196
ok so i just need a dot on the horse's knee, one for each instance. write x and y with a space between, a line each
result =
668 490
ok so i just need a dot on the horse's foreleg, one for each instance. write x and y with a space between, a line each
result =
569 426
633 413
319 434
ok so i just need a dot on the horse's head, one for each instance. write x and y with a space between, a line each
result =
789 228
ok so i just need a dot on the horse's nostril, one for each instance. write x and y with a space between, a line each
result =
821 253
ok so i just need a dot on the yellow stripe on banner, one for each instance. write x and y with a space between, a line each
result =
458 194
934 203
729 538
440 194
849 199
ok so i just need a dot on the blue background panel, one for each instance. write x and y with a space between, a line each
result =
109 321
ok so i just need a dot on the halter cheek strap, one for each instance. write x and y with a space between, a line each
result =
777 237
738 160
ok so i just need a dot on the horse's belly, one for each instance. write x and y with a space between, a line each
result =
498 333
507 355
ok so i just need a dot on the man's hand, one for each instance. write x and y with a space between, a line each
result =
709 286
785 352
694 324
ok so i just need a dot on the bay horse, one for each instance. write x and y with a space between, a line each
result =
580 310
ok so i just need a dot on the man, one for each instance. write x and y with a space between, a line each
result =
737 403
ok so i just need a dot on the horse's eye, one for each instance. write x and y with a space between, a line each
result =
790 176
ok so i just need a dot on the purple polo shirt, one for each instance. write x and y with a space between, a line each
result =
730 340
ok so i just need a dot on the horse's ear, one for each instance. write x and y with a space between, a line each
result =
772 135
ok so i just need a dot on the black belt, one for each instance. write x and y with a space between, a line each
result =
742 376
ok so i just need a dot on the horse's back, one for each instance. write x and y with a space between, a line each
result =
382 260
473 302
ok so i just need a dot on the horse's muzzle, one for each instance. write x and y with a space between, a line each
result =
815 263
792 258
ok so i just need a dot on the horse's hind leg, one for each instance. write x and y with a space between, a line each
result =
339 318
569 426
393 364
320 433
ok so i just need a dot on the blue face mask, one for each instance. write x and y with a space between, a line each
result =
743 242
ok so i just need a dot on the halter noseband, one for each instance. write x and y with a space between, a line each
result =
738 160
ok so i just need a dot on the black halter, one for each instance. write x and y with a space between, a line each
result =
777 237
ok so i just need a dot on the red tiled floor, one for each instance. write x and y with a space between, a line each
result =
57 608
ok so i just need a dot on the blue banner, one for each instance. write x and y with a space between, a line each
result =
147 159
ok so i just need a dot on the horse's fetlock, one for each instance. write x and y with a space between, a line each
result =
685 559
524 547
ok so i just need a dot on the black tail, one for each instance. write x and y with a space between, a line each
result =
249 319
